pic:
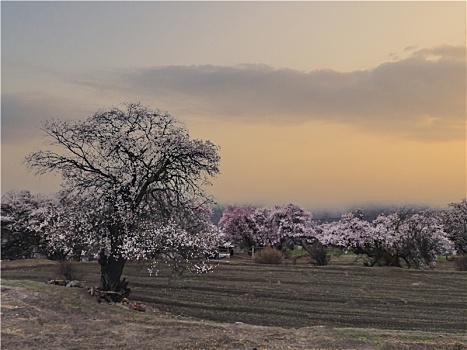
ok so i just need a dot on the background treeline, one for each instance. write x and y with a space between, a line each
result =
409 237
403 237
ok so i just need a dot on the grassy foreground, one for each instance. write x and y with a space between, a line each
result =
242 305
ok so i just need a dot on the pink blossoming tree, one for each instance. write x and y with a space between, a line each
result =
22 215
280 227
455 224
396 239
238 225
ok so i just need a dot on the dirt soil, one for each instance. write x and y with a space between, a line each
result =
35 315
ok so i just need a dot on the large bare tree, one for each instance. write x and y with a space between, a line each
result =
133 187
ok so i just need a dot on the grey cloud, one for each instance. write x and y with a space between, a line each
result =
443 51
422 95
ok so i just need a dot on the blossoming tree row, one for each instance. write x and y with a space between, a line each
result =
401 238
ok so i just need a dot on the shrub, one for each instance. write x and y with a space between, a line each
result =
268 255
318 253
69 271
461 262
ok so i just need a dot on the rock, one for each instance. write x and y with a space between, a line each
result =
73 283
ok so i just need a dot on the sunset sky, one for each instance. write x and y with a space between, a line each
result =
322 104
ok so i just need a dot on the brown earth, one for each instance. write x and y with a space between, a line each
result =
202 312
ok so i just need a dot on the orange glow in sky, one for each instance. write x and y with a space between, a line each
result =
322 104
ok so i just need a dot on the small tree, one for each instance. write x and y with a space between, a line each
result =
238 225
351 232
455 224
290 224
317 252
22 215
131 176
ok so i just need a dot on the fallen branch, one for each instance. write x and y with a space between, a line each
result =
103 295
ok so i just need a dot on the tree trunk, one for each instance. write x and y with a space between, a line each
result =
111 272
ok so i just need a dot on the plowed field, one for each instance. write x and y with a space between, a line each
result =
241 305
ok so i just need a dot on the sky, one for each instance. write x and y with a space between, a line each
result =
323 104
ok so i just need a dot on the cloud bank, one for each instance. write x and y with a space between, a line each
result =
420 96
